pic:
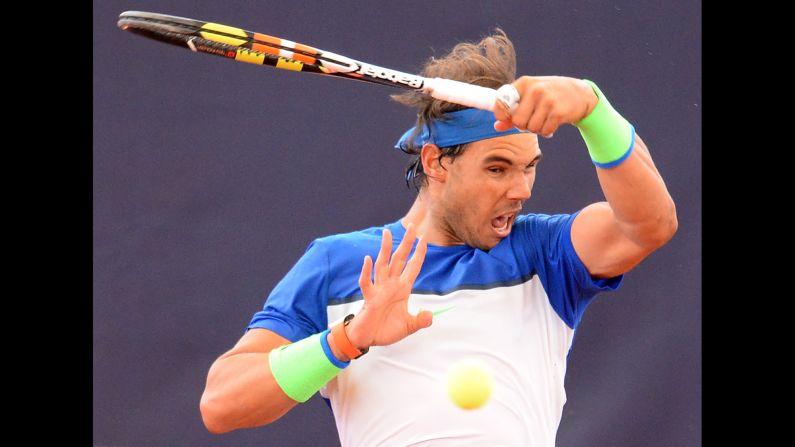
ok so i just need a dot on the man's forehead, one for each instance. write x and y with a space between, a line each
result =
515 147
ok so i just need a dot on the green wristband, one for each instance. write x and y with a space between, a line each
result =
303 367
608 136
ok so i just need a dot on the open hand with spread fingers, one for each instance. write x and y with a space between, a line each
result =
384 318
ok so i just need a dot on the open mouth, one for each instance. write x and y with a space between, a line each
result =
502 224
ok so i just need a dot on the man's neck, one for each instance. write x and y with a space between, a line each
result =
427 222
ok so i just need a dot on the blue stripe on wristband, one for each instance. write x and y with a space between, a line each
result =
327 350
623 157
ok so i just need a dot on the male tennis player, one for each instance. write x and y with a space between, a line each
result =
509 289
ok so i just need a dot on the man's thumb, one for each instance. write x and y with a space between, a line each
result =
423 319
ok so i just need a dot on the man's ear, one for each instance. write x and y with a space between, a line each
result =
431 163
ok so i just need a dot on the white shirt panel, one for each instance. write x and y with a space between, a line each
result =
396 395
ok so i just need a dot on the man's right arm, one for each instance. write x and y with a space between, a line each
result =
241 391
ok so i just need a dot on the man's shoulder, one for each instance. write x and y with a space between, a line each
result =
540 217
534 222
533 229
344 252
365 235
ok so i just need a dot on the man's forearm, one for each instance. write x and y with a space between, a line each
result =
639 198
241 392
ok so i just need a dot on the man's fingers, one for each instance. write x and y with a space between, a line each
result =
502 126
365 282
501 112
524 112
550 125
382 263
539 117
508 97
402 253
415 264
527 102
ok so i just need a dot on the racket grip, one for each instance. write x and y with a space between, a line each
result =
471 95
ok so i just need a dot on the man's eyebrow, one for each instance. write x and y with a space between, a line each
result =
500 159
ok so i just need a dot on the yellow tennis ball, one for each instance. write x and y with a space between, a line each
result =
469 383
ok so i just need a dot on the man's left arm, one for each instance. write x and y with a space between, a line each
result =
639 216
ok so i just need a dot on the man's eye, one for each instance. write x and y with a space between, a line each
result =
495 170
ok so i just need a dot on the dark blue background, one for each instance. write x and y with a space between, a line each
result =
211 177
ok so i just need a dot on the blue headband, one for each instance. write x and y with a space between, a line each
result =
463 126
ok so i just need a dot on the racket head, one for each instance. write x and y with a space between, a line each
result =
192 34
256 48
234 43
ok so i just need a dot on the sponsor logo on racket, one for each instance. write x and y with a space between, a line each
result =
383 73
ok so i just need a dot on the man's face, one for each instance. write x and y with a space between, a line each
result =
486 186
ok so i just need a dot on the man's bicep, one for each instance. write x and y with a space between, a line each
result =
600 244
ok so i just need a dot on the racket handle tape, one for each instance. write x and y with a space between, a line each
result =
471 95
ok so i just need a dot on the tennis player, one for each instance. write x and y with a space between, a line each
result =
374 318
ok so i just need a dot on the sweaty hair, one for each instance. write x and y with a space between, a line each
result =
488 63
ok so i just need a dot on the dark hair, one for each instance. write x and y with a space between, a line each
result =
491 62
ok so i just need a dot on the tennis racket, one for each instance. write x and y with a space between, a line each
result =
261 49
